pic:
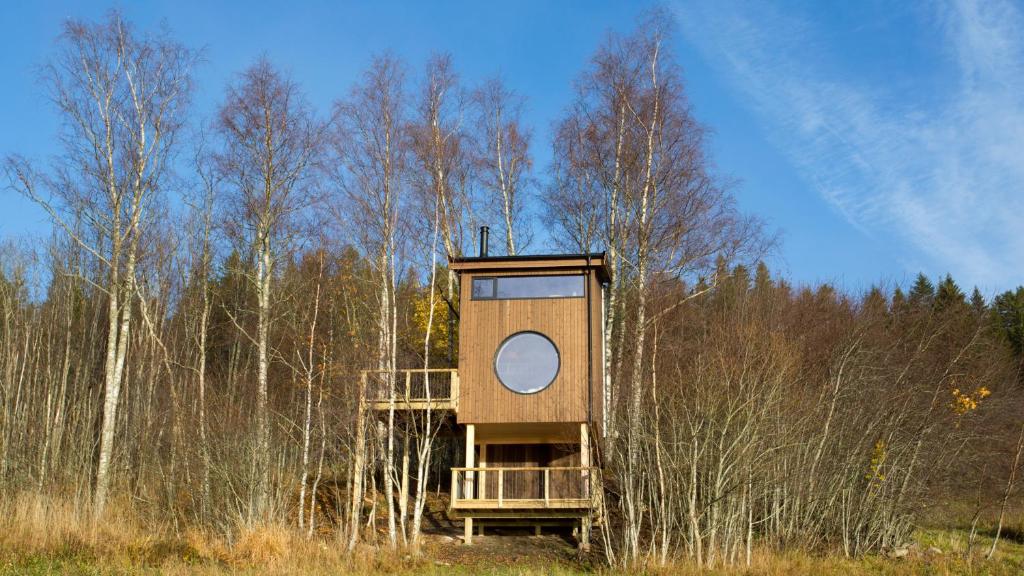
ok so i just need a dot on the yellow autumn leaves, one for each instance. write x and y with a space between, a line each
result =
439 336
964 403
874 475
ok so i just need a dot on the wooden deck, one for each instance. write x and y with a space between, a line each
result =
496 504
531 491
414 389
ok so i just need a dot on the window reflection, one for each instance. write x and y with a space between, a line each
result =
483 288
516 287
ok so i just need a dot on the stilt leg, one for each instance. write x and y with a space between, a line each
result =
469 531
585 534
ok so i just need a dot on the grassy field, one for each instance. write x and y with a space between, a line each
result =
38 538
272 551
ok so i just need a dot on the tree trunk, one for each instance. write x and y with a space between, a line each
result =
264 273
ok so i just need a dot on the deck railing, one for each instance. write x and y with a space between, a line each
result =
414 389
529 487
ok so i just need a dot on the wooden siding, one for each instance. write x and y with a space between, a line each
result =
528 433
485 324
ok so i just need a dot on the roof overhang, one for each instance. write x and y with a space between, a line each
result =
593 261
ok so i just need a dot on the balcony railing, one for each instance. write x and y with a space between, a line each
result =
524 488
415 389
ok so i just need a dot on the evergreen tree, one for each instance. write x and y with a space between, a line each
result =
1008 309
827 294
762 278
978 302
922 293
948 294
741 278
875 302
899 301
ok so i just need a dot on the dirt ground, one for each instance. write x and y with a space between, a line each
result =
510 548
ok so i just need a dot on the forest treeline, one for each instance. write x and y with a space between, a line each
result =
187 343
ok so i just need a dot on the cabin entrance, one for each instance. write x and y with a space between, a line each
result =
531 480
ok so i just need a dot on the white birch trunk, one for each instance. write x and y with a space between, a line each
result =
309 375
264 273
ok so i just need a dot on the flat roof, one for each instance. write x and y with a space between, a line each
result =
592 260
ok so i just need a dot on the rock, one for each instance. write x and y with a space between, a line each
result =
933 551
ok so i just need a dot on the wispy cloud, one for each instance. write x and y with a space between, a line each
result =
943 172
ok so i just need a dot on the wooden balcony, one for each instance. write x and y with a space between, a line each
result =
532 490
415 389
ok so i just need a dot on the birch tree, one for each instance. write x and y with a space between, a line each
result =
503 157
632 147
371 148
442 148
596 155
270 145
202 204
439 148
122 98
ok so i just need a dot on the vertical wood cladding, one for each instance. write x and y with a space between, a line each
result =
485 324
529 484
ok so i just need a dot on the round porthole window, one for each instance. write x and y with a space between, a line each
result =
526 362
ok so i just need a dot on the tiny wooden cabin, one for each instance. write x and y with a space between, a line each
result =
527 392
531 367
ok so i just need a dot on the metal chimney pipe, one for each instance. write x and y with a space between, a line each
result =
484 231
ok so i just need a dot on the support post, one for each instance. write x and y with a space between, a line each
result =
588 490
467 487
483 475
585 458
467 491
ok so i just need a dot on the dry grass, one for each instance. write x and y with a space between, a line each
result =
32 524
40 535
51 536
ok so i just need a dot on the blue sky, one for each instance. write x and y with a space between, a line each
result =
877 138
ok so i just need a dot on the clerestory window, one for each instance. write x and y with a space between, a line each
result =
527 287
